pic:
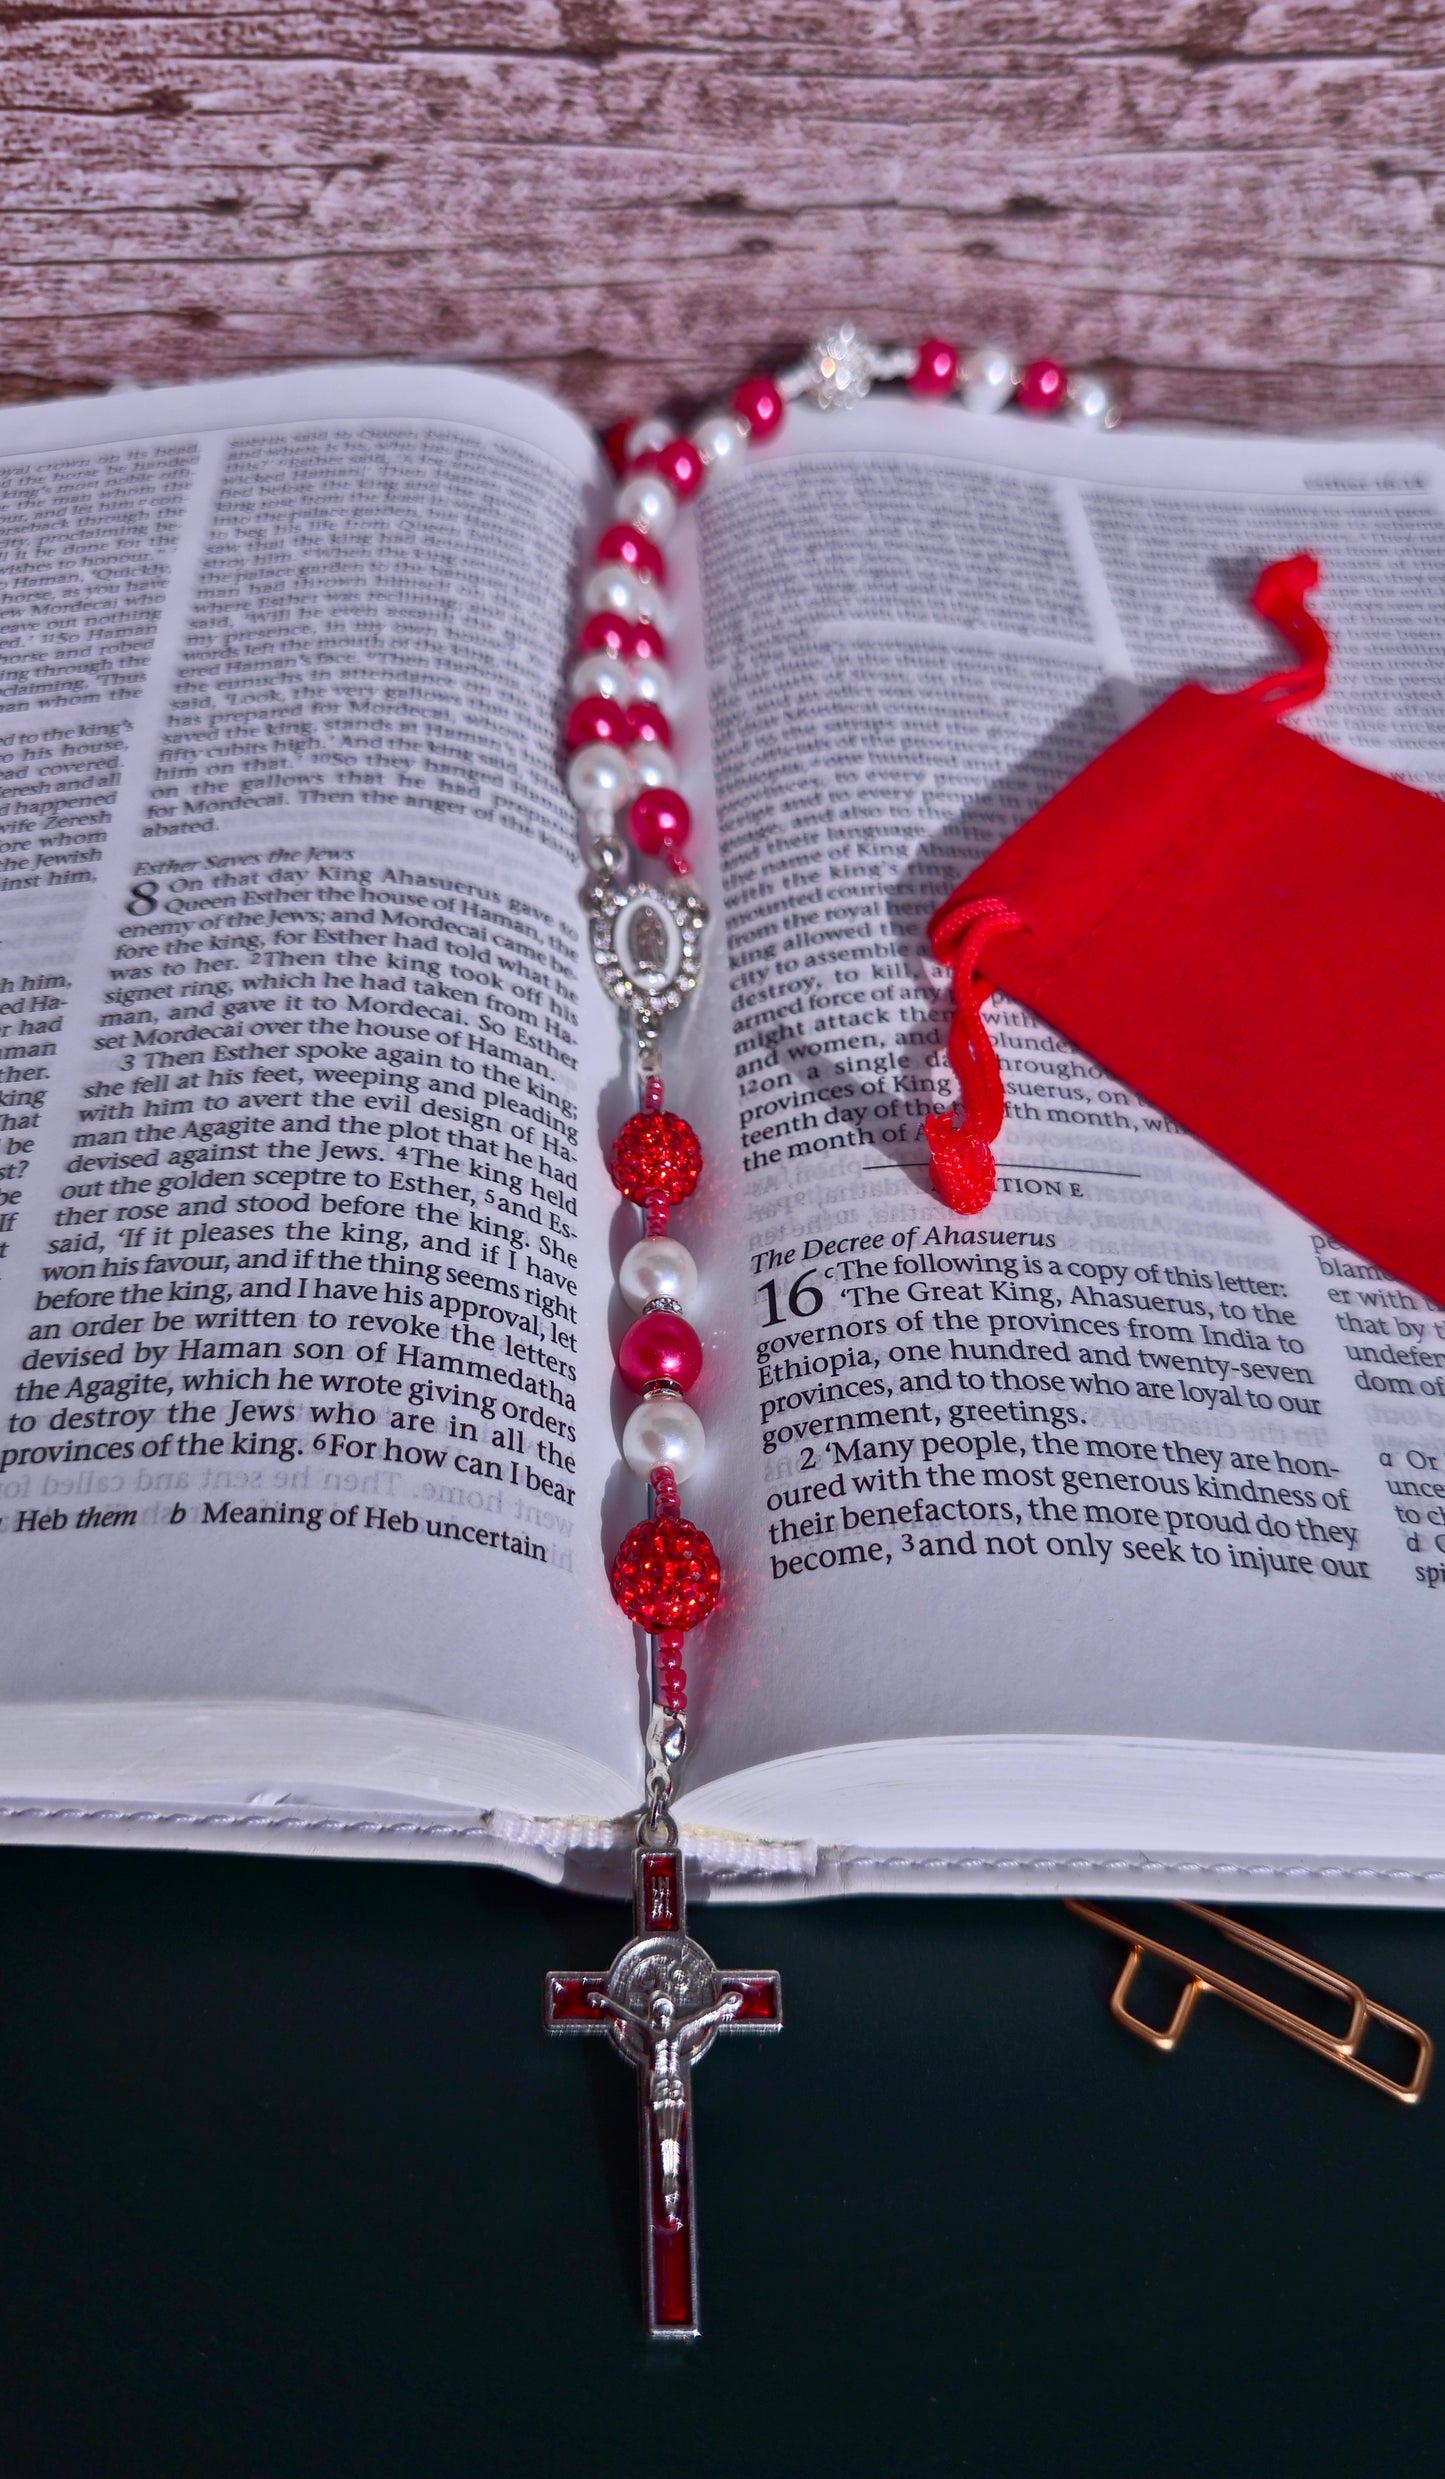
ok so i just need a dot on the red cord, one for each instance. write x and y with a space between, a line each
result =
1279 597
960 1141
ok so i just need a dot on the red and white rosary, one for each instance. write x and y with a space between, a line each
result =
663 2002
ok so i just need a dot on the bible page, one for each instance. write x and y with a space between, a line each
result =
1135 1455
305 1285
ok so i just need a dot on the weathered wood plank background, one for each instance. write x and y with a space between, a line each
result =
1239 205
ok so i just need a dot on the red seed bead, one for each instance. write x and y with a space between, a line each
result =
669 1676
937 368
656 1155
649 723
758 403
658 1214
661 1348
1042 388
614 442
666 1576
654 1093
663 1482
679 464
659 820
648 644
634 550
596 718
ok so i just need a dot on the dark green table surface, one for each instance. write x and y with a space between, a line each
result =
290 2182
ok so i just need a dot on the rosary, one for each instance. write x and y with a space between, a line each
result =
663 2003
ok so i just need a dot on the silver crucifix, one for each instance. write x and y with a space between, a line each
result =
662 2005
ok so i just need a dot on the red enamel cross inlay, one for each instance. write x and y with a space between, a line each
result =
662 2004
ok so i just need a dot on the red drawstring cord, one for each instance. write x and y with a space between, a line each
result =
960 1141
1279 597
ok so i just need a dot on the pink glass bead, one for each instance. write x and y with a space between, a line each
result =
758 403
659 820
596 718
605 632
614 442
937 369
634 549
648 644
649 723
1042 388
679 464
660 1348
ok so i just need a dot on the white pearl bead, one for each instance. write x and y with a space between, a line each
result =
650 685
1091 401
613 587
654 766
645 500
664 1430
988 378
646 436
600 777
650 603
602 675
718 440
658 1269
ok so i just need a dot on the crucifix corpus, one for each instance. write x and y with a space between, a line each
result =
662 2005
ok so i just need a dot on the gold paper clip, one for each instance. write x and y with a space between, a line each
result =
1341 2048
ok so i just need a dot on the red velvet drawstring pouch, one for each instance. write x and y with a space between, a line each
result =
1246 928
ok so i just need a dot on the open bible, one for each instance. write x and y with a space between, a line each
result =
1097 1541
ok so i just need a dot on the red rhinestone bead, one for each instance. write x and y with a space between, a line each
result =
666 1576
758 403
603 632
634 550
648 644
595 718
656 1155
679 464
660 1347
937 368
1042 388
614 443
649 723
659 820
